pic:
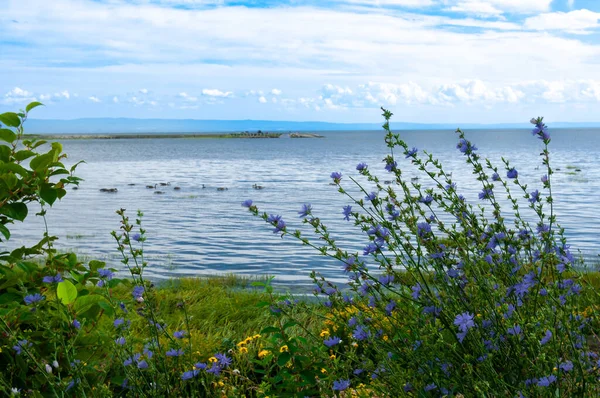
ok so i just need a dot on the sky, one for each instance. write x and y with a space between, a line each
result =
428 61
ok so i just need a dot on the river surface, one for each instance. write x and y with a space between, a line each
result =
200 230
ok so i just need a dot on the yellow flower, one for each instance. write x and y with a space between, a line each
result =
332 356
220 383
284 348
248 340
323 370
385 337
212 359
243 350
241 343
256 336
324 333
263 353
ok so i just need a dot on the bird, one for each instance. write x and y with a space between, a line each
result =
108 189
221 189
151 186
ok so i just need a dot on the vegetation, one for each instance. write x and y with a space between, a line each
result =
448 298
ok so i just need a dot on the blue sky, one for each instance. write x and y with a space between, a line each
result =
428 61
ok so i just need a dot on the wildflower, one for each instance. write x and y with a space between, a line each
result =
200 365
70 385
546 381
223 360
284 348
336 176
391 165
534 196
243 350
486 193
416 291
465 147
174 352
52 279
495 177
246 203
189 374
263 353
21 344
105 274
360 333
306 209
214 369
120 341
541 130
386 279
33 298
370 248
142 364
277 222
512 173
423 229
148 353
515 330
179 334
426 200
430 387
543 228
566 366
76 324
411 153
138 291
544 178
464 321
330 342
347 212
361 166
118 322
341 385
136 237
132 359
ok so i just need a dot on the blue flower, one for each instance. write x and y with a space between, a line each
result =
426 200
390 307
330 342
541 130
534 196
495 177
465 147
347 212
215 369
360 333
33 298
464 321
20 345
105 274
130 360
546 381
138 291
361 166
190 374
136 237
430 387
336 176
179 334
224 361
341 385
370 248
76 324
142 364
512 173
372 196
391 165
416 291
118 322
411 153
120 341
423 229
515 330
174 352
277 222
386 279
486 193
306 209
53 279
246 203
566 366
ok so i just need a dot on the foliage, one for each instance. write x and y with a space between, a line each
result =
453 298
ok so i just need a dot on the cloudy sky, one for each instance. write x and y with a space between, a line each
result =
327 60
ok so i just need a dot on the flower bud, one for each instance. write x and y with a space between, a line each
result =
55 363
48 368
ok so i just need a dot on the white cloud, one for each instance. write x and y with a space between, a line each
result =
476 8
574 21
188 97
144 91
276 91
115 100
63 95
262 100
383 3
94 99
18 95
216 93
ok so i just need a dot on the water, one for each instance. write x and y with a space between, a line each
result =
203 231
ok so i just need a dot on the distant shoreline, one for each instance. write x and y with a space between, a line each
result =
167 135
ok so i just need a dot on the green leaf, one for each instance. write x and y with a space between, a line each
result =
66 292
24 154
4 231
4 153
290 324
7 135
17 211
15 168
269 329
41 161
284 358
84 303
11 119
9 297
48 193
106 307
95 264
33 105
11 180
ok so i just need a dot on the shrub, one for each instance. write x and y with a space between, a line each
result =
449 297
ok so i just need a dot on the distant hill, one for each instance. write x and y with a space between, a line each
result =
126 125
